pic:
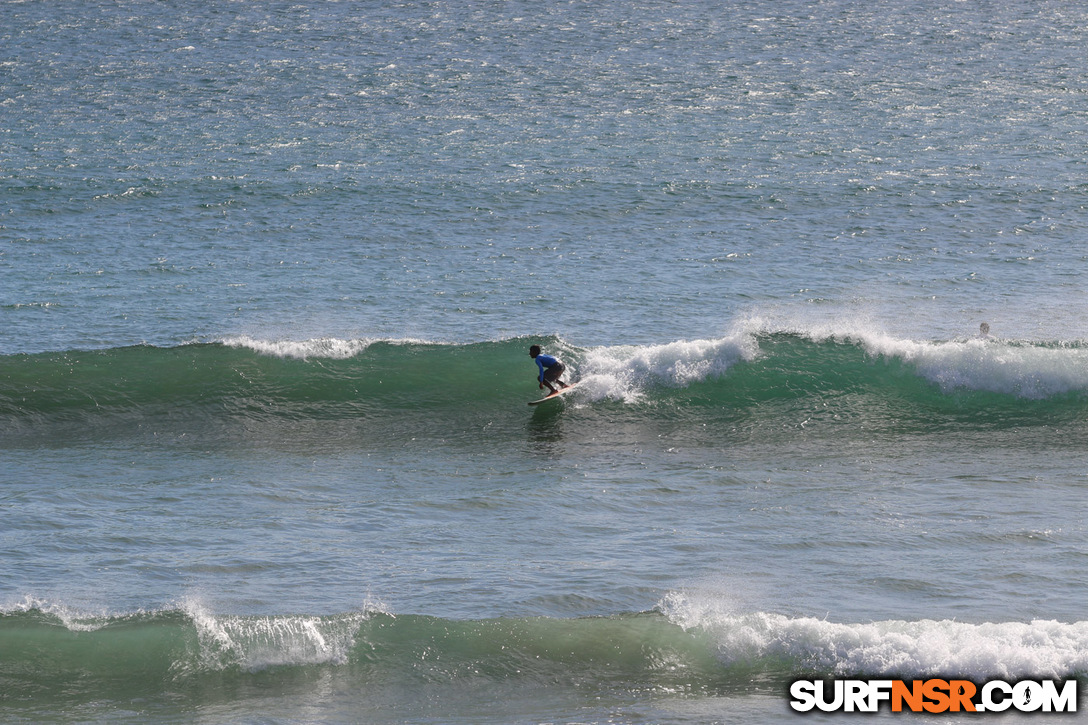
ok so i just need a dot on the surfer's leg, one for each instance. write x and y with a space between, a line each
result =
551 375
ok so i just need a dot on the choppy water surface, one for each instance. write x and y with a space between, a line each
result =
269 277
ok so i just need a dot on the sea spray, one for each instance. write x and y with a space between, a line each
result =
629 372
253 643
324 347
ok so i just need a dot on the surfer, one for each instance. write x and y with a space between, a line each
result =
984 330
550 369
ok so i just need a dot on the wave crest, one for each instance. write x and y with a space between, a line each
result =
924 648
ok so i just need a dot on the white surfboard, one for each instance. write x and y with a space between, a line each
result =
553 396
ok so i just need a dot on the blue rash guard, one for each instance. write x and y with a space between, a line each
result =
544 361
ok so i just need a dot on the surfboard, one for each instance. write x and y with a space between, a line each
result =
553 396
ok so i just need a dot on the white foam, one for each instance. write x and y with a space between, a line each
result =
1030 370
318 347
1009 650
625 371
1020 369
321 347
256 643
73 619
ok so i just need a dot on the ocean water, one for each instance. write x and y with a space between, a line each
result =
269 273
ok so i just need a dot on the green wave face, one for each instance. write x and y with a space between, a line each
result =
744 385
678 648
45 657
224 379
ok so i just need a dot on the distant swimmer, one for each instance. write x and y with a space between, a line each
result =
984 329
550 369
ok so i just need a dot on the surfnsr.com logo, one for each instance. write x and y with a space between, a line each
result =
933 695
